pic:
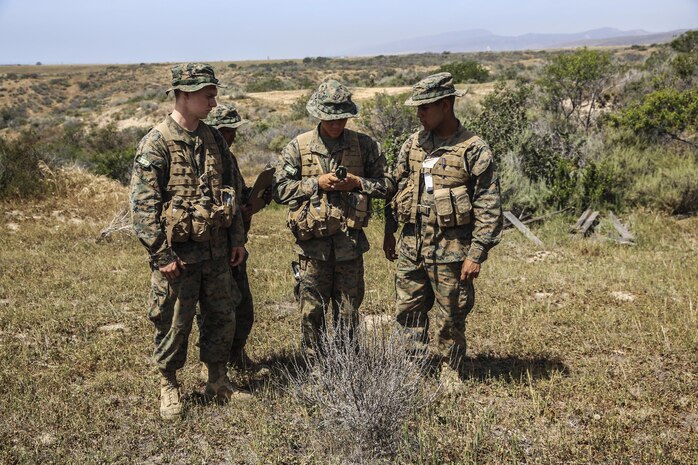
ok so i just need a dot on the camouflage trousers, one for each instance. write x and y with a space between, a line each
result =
329 283
173 306
418 286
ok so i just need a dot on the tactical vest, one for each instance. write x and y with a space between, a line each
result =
194 205
183 180
449 177
354 206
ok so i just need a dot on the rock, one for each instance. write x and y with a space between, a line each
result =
12 227
622 296
112 327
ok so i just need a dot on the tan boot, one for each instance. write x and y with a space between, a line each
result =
170 402
220 387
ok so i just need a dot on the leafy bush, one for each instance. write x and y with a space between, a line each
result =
573 85
267 84
466 71
518 191
20 173
668 113
503 118
387 120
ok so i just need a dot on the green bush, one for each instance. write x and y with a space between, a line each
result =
518 191
573 85
20 173
598 186
667 113
503 119
466 71
387 120
267 84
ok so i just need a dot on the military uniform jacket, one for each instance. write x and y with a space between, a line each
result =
425 239
289 185
148 187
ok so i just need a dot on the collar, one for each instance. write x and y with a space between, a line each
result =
181 134
426 141
319 147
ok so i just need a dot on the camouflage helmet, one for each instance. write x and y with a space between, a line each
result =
190 77
225 116
331 101
433 88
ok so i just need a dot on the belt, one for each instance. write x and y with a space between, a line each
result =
423 209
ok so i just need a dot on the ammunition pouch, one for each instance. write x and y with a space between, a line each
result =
356 209
201 223
223 212
315 218
402 202
452 206
176 220
297 222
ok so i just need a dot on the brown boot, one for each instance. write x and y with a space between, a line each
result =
220 387
170 402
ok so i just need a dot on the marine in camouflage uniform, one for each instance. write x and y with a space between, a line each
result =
448 200
328 213
181 175
227 120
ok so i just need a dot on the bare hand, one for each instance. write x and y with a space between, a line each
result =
470 270
389 247
171 271
327 181
330 182
237 256
349 183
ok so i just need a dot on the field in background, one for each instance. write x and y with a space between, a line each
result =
583 351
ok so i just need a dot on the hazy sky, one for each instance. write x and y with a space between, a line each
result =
133 31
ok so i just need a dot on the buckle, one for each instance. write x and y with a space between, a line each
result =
423 209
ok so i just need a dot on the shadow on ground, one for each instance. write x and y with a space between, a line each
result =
512 369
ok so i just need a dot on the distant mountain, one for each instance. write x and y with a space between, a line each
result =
476 40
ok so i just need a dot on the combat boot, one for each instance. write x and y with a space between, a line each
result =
170 402
219 385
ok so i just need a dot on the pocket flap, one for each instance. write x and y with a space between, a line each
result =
442 202
461 199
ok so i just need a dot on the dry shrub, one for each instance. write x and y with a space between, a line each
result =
362 391
76 187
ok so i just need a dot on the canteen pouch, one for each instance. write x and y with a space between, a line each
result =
297 222
177 220
461 205
445 215
356 209
200 222
222 215
402 203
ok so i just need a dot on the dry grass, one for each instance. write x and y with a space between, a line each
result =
586 352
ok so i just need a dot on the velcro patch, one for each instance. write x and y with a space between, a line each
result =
144 162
